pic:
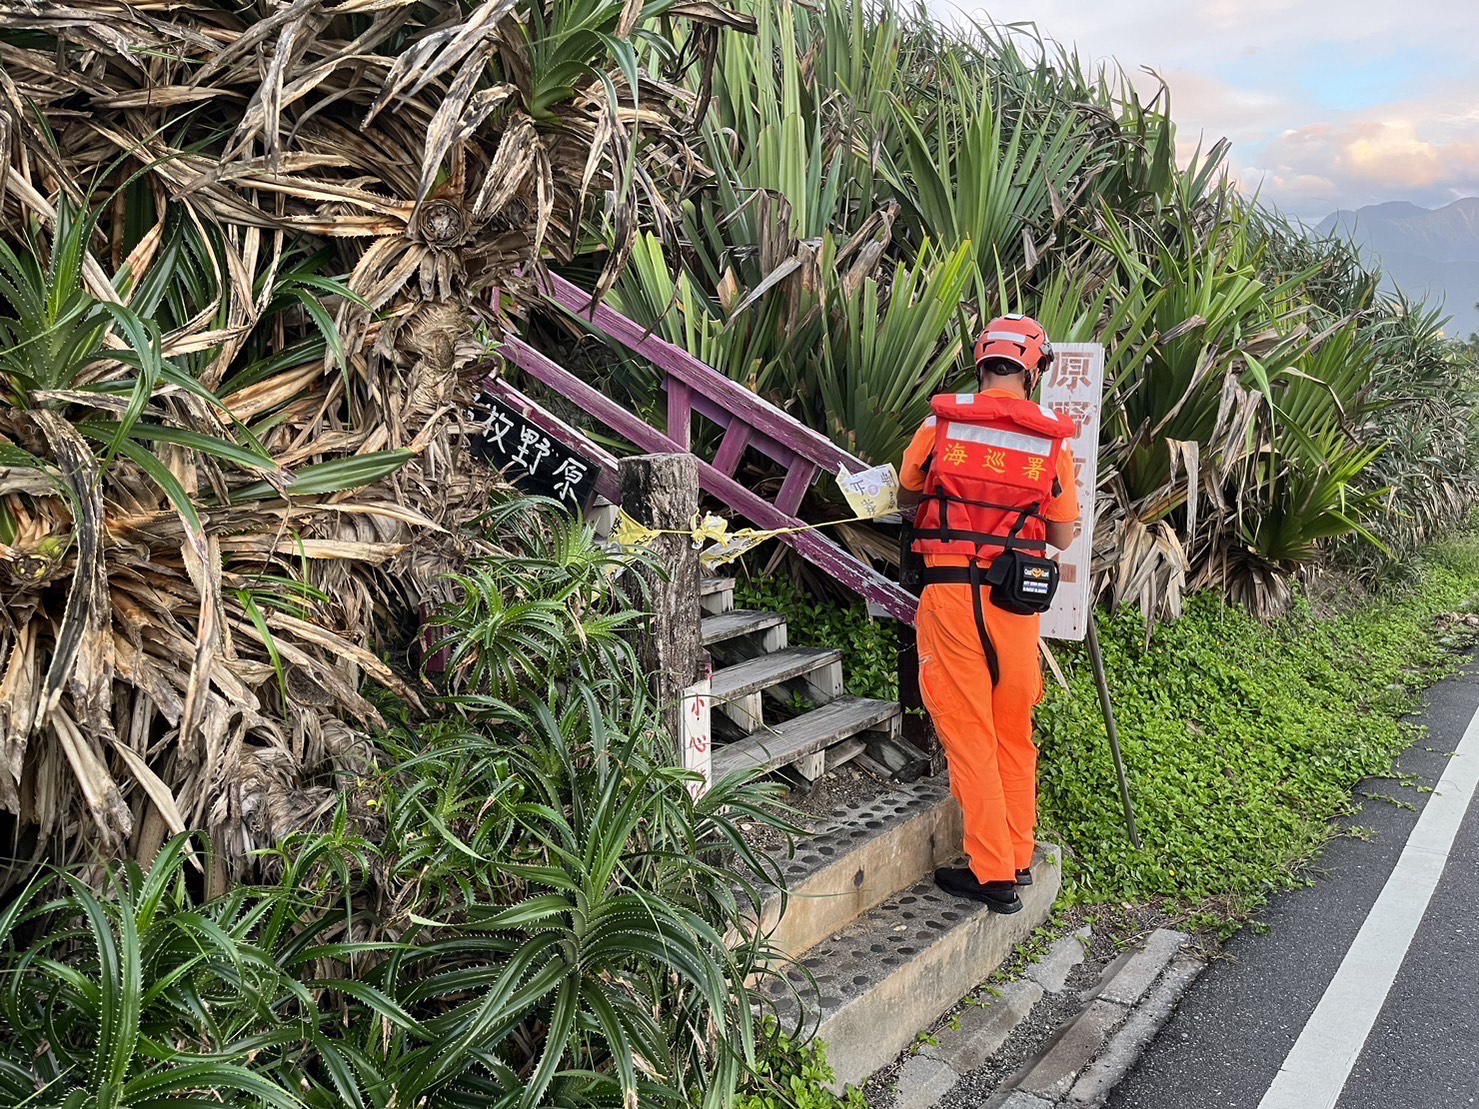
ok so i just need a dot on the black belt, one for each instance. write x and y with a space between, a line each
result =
969 575
950 575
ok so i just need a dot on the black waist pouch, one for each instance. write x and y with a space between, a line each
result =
1022 583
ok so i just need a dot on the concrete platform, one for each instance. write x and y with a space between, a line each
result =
897 968
860 858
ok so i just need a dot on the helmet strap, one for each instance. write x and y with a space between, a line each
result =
1030 378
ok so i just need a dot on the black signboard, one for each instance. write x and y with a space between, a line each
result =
528 457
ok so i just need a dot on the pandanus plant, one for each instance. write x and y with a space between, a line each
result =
250 255
848 168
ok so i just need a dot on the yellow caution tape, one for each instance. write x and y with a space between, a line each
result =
871 494
711 527
630 534
741 542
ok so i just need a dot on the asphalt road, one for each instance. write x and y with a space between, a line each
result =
1237 1025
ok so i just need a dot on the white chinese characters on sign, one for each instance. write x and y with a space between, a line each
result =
1075 387
528 455
497 425
531 437
698 747
568 475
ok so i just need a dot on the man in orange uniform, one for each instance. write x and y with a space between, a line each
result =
993 476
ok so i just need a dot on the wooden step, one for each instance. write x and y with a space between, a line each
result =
809 734
757 674
725 626
738 691
716 595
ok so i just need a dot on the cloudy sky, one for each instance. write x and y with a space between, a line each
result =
1328 104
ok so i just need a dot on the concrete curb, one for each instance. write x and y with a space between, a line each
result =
925 1079
1123 1050
1089 1055
1052 970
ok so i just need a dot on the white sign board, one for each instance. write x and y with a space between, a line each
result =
698 736
1075 387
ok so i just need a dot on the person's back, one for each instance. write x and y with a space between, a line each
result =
995 486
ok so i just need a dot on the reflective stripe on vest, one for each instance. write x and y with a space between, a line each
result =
997 437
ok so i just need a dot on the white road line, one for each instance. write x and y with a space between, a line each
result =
1317 1067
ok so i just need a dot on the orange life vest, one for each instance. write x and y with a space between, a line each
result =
994 465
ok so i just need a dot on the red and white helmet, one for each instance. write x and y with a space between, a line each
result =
1016 338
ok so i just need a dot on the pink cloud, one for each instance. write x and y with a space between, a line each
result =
1403 152
1293 151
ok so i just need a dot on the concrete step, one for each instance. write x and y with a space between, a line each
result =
806 739
716 595
859 858
738 691
737 622
896 969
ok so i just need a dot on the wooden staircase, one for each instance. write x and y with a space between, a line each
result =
880 952
778 706
696 391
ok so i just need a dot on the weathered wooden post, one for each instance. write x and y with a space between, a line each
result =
660 491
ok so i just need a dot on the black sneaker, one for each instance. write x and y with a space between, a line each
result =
1024 877
999 897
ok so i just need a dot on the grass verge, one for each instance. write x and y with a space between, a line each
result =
1243 740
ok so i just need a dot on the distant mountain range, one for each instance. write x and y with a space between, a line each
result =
1424 252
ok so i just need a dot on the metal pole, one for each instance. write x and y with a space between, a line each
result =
1097 658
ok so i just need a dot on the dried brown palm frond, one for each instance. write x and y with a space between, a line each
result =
444 150
270 240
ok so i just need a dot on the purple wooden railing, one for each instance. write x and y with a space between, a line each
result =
749 421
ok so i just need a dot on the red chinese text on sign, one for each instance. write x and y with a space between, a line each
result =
1075 388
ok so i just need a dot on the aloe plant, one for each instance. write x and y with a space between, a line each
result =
516 903
99 1007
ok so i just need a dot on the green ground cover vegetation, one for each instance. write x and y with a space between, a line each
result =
796 1075
871 646
1243 738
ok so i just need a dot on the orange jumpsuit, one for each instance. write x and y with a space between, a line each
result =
986 731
